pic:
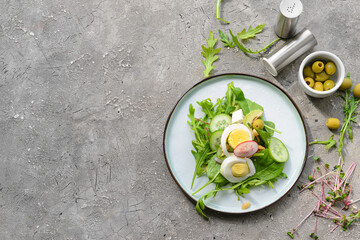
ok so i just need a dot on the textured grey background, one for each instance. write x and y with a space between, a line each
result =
85 91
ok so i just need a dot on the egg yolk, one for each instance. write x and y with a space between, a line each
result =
238 136
240 169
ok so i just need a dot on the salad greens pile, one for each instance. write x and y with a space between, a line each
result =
267 169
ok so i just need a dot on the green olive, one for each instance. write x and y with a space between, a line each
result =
310 82
317 67
330 68
356 90
318 86
308 72
321 77
333 123
347 83
258 124
328 84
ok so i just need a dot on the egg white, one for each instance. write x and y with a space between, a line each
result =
226 133
226 165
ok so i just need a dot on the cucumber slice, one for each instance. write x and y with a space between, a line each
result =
220 122
215 140
278 150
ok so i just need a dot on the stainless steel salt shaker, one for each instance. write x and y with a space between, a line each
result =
291 50
290 11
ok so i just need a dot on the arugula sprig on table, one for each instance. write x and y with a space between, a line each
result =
227 42
244 35
209 53
248 50
328 143
350 106
251 32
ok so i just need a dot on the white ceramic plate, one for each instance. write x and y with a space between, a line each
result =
278 107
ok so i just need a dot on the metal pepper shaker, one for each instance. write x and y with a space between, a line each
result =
291 50
290 11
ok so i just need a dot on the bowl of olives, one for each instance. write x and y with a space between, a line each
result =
321 74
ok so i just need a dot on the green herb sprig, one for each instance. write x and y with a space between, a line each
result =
227 42
329 143
247 50
209 53
350 106
251 32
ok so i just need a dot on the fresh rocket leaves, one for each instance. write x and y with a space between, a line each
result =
227 42
267 171
247 50
251 32
209 54
328 143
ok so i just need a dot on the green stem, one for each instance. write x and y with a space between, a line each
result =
213 179
272 129
218 3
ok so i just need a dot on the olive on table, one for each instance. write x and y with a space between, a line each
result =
317 67
319 86
333 123
330 68
356 90
258 124
328 84
308 72
309 81
322 77
347 83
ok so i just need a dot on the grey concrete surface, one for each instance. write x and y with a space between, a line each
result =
85 91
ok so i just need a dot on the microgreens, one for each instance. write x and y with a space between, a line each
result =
333 198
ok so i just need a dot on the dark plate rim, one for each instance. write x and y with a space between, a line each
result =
247 75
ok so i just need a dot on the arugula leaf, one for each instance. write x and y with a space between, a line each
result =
251 32
230 99
240 99
226 40
207 107
200 206
200 130
209 54
200 159
329 143
247 50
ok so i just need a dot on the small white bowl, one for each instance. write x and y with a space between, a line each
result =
337 77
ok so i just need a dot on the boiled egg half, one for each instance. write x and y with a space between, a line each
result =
236 169
234 135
